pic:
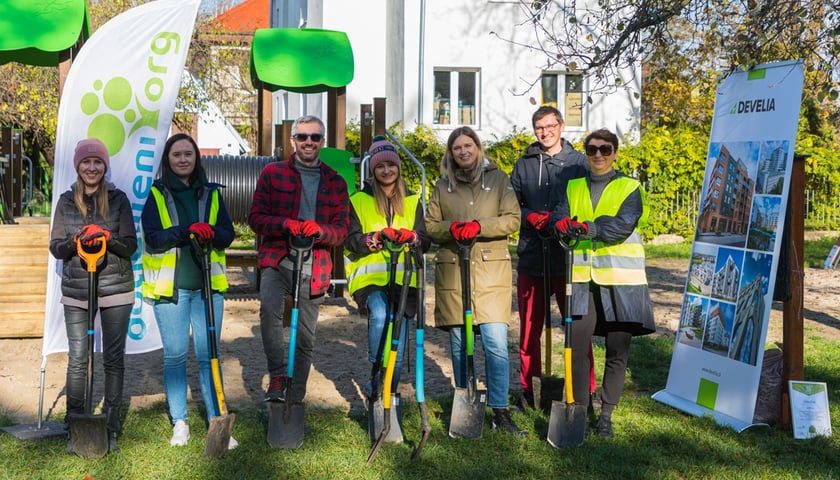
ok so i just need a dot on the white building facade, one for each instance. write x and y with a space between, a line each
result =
448 63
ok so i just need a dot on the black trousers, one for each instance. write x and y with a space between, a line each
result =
615 366
114 329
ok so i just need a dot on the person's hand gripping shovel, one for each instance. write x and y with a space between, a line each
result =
89 431
468 404
395 321
567 423
285 417
221 425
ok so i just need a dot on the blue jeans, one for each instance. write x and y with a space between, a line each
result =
174 322
496 360
377 304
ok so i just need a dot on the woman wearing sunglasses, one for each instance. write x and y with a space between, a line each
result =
605 210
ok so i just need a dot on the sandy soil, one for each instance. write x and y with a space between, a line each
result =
341 367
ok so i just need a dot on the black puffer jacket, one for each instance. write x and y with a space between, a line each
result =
114 270
537 179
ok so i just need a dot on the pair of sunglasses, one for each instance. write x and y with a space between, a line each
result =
301 137
606 150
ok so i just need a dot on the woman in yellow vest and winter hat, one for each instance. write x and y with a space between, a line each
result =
382 209
182 203
610 295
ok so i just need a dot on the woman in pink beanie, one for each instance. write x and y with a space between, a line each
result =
91 211
383 211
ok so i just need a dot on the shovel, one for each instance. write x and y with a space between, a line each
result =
218 434
396 321
419 380
468 404
567 423
89 432
376 410
546 387
285 419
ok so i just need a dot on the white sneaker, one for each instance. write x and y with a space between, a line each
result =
233 443
180 434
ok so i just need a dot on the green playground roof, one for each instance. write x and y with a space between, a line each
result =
36 32
302 60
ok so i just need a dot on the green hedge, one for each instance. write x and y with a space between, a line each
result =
670 162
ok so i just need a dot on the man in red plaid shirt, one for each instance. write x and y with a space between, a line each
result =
301 196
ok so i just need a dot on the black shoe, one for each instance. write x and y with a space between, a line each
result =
604 427
276 387
70 446
112 442
502 420
307 429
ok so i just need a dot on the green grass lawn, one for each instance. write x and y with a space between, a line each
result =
653 441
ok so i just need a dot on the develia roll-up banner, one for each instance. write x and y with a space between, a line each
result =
121 89
716 365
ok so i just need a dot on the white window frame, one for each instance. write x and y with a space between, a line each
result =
457 116
571 124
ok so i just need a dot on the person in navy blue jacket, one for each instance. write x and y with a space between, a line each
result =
183 204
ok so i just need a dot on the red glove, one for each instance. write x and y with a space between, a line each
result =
310 228
82 232
93 234
564 226
465 231
293 226
202 231
538 220
391 235
579 228
407 236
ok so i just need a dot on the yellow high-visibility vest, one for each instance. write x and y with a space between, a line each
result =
372 269
159 268
604 263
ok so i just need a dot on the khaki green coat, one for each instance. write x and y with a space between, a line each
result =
492 201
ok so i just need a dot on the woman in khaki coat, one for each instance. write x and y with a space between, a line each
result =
474 200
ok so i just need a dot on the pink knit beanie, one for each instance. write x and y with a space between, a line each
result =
91 147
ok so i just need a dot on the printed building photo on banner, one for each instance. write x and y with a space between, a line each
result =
726 200
727 274
701 270
764 222
718 327
692 320
749 313
772 165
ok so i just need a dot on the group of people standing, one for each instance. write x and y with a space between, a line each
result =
553 191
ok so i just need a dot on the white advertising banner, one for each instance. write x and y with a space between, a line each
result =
121 89
716 364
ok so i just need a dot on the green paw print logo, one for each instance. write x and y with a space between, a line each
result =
115 117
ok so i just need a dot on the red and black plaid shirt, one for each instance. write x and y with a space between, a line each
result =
277 197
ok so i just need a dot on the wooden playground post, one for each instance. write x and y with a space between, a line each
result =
264 122
793 307
379 125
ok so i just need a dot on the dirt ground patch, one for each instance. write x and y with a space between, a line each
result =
341 367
